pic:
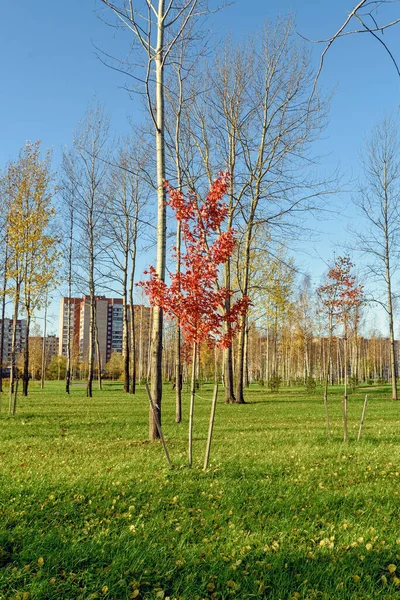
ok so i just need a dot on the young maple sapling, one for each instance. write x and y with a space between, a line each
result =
194 297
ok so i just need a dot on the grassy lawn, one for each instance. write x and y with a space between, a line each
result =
89 509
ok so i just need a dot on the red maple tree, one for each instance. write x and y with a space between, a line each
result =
194 297
341 296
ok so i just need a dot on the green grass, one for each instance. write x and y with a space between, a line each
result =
89 509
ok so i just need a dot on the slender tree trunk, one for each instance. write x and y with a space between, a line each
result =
327 373
243 324
125 323
228 355
43 371
393 365
246 358
178 369
141 347
191 409
3 316
13 374
69 278
25 380
132 342
212 413
91 348
99 365
345 428
156 355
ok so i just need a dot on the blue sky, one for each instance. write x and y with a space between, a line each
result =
49 73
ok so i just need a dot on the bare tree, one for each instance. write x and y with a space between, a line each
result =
378 205
86 169
67 189
124 221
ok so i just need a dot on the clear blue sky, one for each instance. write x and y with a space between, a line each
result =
49 73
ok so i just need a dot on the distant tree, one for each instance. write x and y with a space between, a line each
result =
378 203
341 296
56 368
115 366
124 222
85 169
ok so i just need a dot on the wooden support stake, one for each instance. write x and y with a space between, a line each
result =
158 424
362 417
211 426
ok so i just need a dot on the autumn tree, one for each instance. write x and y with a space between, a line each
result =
194 297
115 366
40 254
4 275
32 245
341 296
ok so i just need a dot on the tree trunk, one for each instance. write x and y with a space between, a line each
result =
99 365
246 357
125 324
132 349
69 349
156 357
345 428
178 374
91 348
25 380
191 409
3 316
13 401
43 371
393 365
228 355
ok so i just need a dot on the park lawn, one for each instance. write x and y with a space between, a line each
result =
90 509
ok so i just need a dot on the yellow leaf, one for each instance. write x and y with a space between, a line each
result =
231 584
356 578
392 568
135 594
210 587
40 561
104 590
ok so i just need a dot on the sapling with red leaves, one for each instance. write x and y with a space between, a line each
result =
194 297
341 296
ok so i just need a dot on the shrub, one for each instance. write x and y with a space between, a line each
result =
274 383
311 385
353 382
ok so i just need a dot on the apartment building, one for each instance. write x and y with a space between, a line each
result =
20 338
109 316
